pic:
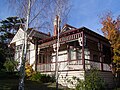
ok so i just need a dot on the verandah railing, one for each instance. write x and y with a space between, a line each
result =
71 65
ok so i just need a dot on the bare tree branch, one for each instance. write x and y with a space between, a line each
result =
42 12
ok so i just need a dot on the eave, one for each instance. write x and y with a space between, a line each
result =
75 31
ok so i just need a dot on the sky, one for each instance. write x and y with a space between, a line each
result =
83 12
87 12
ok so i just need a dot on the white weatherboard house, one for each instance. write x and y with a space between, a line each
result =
18 41
80 50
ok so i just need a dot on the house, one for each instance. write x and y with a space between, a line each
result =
17 43
80 49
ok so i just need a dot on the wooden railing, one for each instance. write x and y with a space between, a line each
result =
62 65
71 65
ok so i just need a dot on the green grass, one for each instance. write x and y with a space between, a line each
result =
11 82
8 82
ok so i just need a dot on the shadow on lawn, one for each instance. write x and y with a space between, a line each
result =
12 84
39 86
8 82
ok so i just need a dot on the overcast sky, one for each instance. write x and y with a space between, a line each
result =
83 13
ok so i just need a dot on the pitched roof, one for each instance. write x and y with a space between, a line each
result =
67 27
74 31
37 34
31 33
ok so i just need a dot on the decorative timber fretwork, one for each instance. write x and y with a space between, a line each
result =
69 38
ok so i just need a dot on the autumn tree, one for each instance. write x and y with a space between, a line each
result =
111 30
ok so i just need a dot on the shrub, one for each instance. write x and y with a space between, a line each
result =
92 81
10 65
42 77
28 70
52 78
36 77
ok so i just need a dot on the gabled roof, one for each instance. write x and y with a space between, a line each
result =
31 33
67 27
37 34
18 36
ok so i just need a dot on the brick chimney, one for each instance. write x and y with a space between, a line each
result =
49 34
55 26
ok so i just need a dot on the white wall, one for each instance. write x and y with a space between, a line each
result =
65 76
106 67
19 40
32 58
18 36
62 57
31 54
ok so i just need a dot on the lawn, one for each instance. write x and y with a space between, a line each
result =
10 82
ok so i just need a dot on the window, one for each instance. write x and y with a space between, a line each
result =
87 54
44 58
41 58
72 54
17 56
79 54
106 54
28 56
95 57
99 47
76 54
19 47
28 46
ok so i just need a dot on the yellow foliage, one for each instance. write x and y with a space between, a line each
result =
111 30
28 69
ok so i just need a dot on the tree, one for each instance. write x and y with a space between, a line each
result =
11 24
9 27
42 12
2 58
111 30
38 11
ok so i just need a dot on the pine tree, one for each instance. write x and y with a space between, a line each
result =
8 29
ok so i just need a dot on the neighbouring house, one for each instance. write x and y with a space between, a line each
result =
80 49
17 43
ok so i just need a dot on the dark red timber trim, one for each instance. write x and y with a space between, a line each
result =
83 58
63 70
